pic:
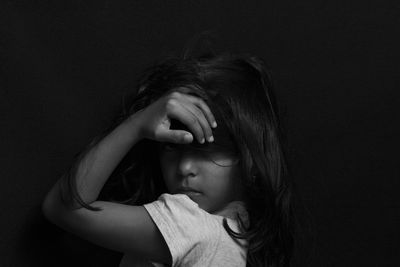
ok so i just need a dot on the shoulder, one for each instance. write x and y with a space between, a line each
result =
180 209
175 204
188 230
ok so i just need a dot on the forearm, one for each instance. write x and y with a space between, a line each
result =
98 164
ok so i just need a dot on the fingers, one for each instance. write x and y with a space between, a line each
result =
194 113
205 126
200 102
179 112
177 136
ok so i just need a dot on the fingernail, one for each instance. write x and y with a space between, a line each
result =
202 141
214 124
211 139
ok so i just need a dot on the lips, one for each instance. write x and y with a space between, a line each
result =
185 190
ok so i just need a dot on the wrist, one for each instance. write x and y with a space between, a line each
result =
134 123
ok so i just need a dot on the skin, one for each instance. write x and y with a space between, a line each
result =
127 228
218 185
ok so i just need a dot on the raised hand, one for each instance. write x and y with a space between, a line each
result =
155 120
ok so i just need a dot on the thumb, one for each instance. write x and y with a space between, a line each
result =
179 136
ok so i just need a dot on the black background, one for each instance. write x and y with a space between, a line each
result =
65 66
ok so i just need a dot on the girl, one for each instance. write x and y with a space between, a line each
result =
200 159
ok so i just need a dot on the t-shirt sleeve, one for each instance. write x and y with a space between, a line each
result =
186 228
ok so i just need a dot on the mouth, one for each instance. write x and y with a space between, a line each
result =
188 191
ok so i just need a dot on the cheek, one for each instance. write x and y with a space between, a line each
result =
167 167
220 178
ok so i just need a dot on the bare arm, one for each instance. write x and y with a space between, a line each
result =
152 123
125 228
118 227
98 164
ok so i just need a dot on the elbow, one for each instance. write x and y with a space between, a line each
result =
47 208
52 207
55 210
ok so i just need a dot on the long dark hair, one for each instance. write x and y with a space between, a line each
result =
239 88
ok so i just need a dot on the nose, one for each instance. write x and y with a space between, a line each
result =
187 164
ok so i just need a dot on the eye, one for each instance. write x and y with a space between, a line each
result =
169 147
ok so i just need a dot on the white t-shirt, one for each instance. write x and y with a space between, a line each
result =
194 236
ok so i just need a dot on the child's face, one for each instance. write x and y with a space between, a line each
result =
185 166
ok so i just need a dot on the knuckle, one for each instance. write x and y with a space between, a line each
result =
171 103
175 94
197 113
205 107
208 131
199 131
193 121
202 103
